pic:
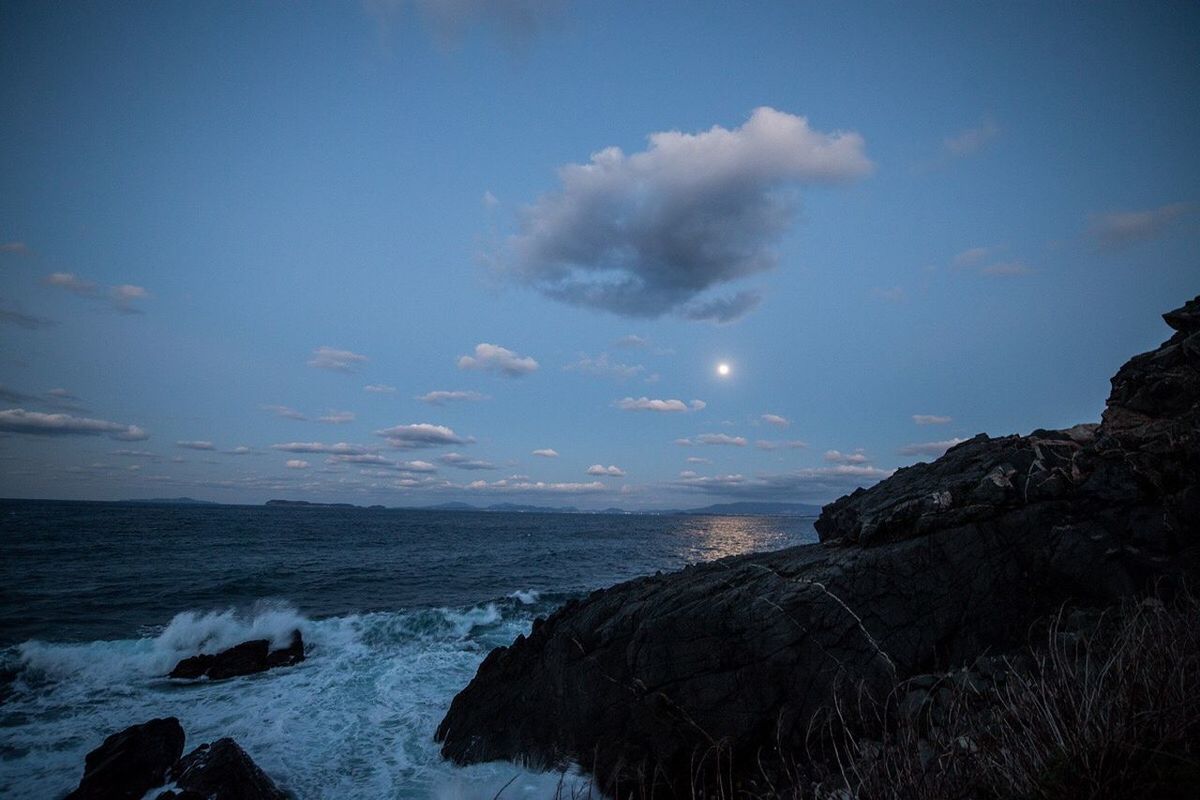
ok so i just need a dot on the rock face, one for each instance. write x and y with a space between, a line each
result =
928 570
221 771
131 762
243 659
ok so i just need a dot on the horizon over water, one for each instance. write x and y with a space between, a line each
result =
397 608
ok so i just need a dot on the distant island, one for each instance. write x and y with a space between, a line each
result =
741 509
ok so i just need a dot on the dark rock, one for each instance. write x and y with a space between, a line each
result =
221 771
243 659
131 762
925 572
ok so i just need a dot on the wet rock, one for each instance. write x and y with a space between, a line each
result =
130 763
929 570
243 659
221 771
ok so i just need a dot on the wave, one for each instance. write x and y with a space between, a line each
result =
356 719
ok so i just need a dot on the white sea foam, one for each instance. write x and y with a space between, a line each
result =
355 720
526 597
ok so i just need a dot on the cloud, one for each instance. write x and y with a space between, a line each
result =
972 140
376 460
713 439
420 435
18 420
1121 229
240 450
535 487
196 445
296 463
494 358
337 417
646 234
441 397
459 461
838 457
650 404
723 310
822 483
546 452
122 296
22 320
971 257
929 448
780 444
698 460
891 294
604 366
490 200
517 22
1006 269
931 419
379 388
15 248
336 360
135 453
339 449
609 471
776 420
284 411
632 341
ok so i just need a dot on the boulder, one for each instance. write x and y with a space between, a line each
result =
652 680
220 771
243 659
130 763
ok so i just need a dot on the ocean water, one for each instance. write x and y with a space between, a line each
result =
397 608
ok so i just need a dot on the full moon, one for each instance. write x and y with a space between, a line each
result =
722 369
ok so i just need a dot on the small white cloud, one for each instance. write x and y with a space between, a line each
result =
490 200
610 471
441 397
337 417
501 360
546 452
71 283
125 295
241 450
698 460
340 448
651 404
336 360
459 461
972 140
284 411
420 435
196 445
776 420
1123 228
632 341
296 463
604 366
891 294
780 444
930 448
838 457
379 388
713 439
16 248
931 419
972 257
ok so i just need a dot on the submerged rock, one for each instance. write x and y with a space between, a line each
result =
130 763
220 771
243 659
652 679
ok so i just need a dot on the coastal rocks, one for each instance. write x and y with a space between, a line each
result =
722 667
130 763
221 771
243 659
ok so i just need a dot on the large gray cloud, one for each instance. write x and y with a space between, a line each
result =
819 483
421 434
1124 228
652 232
18 420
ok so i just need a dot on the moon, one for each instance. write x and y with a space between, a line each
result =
723 369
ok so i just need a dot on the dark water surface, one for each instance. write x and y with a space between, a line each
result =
98 601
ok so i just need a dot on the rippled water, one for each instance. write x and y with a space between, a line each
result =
98 601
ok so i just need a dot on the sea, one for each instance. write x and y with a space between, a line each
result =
98 601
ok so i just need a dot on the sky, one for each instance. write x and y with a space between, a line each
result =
417 252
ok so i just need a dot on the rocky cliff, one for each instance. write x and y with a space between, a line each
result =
650 680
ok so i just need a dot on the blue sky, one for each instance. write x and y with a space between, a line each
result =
899 226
